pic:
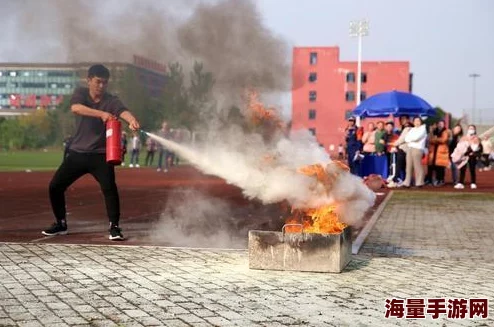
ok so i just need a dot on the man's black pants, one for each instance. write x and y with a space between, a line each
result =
74 166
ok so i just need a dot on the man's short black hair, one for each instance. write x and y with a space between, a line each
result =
98 71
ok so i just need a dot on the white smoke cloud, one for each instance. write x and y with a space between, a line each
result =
268 172
194 219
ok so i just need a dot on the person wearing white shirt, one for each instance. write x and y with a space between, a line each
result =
136 146
415 140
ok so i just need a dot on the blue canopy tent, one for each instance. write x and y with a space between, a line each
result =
394 103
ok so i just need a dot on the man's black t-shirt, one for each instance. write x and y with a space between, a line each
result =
90 134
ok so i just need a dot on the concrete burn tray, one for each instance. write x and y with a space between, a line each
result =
271 250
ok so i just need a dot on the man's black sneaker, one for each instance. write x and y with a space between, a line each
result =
56 229
116 233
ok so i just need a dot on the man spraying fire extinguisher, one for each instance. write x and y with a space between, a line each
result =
94 109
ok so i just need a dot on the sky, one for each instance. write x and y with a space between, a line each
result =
444 41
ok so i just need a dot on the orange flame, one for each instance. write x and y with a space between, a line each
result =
318 220
258 112
317 171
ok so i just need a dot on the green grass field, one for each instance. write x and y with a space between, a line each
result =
34 160
44 160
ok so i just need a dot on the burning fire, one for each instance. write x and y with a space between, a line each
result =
313 220
322 219
259 113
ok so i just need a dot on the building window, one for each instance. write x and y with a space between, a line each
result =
34 85
350 77
312 77
312 131
57 73
348 114
312 96
13 74
312 114
363 77
363 95
350 96
313 58
53 85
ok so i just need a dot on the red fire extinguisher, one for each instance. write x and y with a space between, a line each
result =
113 142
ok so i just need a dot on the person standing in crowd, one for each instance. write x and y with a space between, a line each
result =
150 150
380 144
369 139
136 147
164 132
171 155
353 146
390 137
405 126
486 153
457 134
430 168
415 140
92 107
467 152
124 147
438 157
178 137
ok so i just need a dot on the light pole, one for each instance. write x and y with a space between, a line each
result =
359 29
474 77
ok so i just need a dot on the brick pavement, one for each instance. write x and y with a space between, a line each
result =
82 285
435 225
77 285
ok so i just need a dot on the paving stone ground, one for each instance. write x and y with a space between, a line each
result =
435 225
81 285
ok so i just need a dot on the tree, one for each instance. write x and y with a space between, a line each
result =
175 102
38 129
201 96
64 121
138 99
192 105
234 116
26 132
11 134
440 114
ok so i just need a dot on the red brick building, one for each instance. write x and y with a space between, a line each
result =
324 89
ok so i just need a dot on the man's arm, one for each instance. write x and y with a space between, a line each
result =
131 120
83 110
